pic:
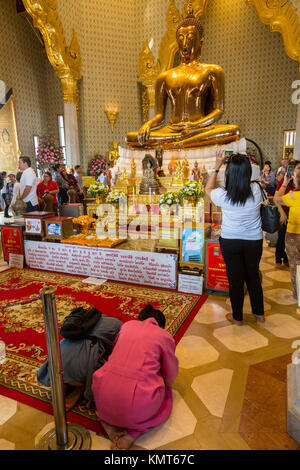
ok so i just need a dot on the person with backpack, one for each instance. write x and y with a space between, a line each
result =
88 341
132 391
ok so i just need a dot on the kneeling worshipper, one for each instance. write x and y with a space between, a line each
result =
132 391
81 358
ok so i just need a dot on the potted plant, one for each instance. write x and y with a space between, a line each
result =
192 192
96 165
49 152
97 190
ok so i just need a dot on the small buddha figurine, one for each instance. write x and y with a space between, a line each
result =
133 168
113 155
185 168
178 179
149 183
196 92
196 172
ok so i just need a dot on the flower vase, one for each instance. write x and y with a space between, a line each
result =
99 198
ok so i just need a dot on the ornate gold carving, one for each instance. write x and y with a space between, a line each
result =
112 115
66 61
281 16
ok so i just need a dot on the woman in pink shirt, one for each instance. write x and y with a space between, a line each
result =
132 390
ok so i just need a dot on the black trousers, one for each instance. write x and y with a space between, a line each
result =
280 253
242 258
5 205
31 208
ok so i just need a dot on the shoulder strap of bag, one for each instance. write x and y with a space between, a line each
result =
263 194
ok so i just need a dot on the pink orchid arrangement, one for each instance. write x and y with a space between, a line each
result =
96 165
49 152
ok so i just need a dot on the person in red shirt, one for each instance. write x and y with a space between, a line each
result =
280 253
47 185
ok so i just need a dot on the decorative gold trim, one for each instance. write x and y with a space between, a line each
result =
66 61
281 17
147 69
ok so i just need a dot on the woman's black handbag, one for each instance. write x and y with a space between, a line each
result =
270 219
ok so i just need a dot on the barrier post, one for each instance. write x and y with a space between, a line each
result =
64 436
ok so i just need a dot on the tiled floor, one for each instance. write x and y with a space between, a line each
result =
231 389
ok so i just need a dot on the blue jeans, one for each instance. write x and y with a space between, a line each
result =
31 208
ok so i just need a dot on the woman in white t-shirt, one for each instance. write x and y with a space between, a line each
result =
241 238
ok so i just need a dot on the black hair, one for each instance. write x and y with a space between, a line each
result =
77 166
56 167
48 173
150 312
26 160
269 163
237 179
18 176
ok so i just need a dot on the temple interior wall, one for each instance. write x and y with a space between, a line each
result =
258 73
24 67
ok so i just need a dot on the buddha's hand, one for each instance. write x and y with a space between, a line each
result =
144 133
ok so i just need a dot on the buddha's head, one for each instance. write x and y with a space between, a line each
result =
189 35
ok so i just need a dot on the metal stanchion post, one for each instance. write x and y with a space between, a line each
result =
64 436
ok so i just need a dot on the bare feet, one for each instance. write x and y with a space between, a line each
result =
232 320
260 318
113 432
123 443
73 397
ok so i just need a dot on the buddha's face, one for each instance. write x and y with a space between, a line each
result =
189 43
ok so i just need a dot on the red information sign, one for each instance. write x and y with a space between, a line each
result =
12 241
215 272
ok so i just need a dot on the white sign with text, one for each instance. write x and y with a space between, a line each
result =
190 284
138 267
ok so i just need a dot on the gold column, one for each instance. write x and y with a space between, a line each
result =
66 61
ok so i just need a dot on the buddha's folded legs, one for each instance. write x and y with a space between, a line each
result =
195 138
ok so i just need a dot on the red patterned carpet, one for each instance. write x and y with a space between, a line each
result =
22 325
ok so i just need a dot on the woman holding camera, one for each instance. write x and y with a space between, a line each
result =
241 238
292 238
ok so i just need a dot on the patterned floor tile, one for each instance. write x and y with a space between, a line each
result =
194 351
240 338
213 389
6 445
8 408
181 423
212 312
280 296
280 276
282 325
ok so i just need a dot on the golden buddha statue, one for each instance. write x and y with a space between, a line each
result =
133 168
185 168
113 155
196 92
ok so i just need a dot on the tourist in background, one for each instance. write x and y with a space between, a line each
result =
241 240
132 391
47 185
268 179
28 185
73 184
280 253
292 238
62 183
78 176
16 190
10 190
281 171
3 194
